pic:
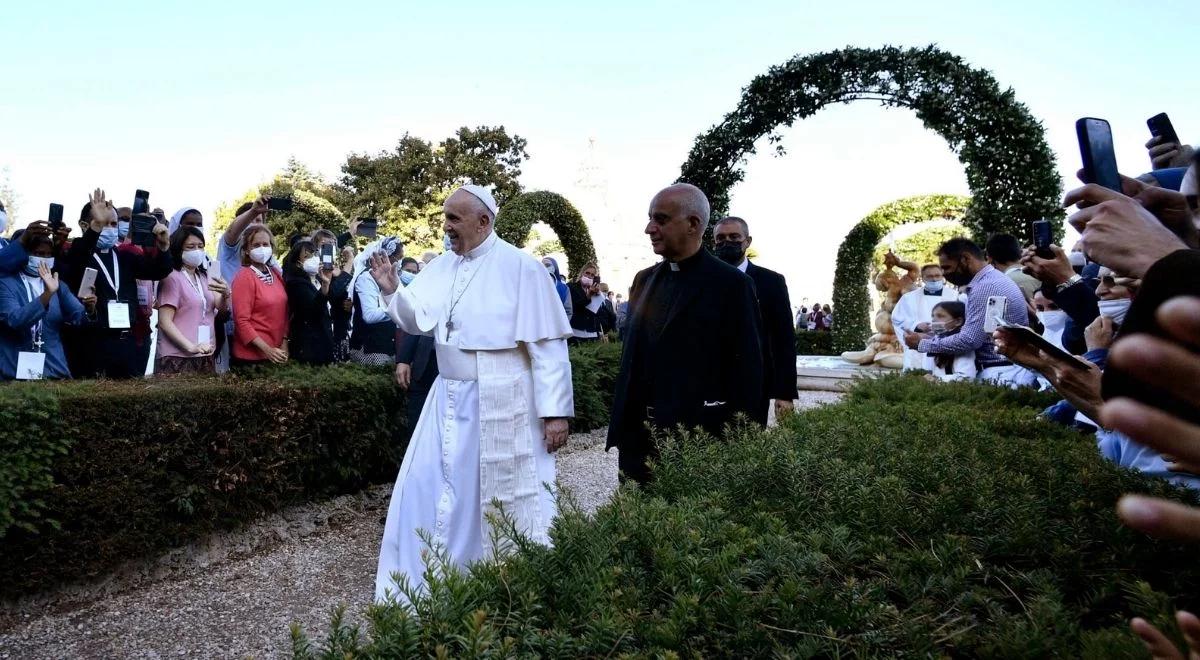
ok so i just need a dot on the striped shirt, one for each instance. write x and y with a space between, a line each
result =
987 282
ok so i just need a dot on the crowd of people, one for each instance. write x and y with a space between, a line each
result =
819 318
101 305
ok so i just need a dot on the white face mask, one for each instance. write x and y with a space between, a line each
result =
1054 320
1077 260
1115 309
3 222
260 255
312 265
585 280
193 258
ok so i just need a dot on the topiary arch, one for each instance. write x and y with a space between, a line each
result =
517 216
1010 168
851 296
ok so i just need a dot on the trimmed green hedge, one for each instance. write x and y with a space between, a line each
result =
912 519
519 214
814 342
117 470
96 473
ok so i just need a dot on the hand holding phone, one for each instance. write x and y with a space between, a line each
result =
141 202
87 285
1161 128
279 203
141 230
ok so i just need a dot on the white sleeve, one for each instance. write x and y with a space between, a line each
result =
407 312
899 319
552 393
370 301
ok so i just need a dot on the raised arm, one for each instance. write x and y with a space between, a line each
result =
233 233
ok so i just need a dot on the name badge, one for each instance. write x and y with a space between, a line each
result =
204 334
118 315
143 296
30 366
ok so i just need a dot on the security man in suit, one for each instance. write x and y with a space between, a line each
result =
693 353
731 240
416 369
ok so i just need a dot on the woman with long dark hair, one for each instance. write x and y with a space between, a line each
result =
310 326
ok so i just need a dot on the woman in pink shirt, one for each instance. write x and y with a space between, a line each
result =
260 304
188 303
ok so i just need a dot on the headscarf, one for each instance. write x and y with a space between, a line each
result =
178 217
362 261
556 275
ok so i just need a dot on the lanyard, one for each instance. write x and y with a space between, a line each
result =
115 274
195 285
37 327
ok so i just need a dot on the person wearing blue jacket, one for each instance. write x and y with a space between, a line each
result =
34 306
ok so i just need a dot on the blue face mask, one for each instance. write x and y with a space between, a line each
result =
122 229
446 243
108 238
406 277
31 266
934 287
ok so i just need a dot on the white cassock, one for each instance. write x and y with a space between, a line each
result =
499 329
913 309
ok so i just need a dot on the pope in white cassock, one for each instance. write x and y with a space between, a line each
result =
916 308
499 407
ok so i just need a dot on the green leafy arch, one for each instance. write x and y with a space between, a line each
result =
1010 168
851 295
517 216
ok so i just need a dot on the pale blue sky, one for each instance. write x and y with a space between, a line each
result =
197 103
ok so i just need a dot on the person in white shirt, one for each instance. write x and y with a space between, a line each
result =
915 309
497 410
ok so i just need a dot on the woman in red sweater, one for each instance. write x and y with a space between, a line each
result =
260 304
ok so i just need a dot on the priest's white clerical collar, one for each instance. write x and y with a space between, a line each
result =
483 248
674 266
744 265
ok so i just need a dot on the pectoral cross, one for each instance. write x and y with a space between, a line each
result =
38 343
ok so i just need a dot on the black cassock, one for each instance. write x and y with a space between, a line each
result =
693 355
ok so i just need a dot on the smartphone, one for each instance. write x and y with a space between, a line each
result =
56 214
279 203
1028 336
141 202
1160 127
87 285
1042 238
368 227
327 257
141 230
1096 148
994 315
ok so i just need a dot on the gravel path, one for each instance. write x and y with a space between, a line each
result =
235 595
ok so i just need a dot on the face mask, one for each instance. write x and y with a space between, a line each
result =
406 277
260 255
938 327
1053 320
122 229
585 281
731 253
108 238
958 279
311 265
1115 309
934 288
1077 260
3 221
193 258
31 266
549 268
446 246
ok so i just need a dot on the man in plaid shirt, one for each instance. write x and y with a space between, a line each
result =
964 266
